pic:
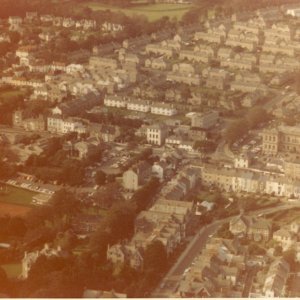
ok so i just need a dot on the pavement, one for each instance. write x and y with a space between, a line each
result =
169 284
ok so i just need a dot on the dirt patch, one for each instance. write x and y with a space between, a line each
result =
13 209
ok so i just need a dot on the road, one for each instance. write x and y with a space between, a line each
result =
170 282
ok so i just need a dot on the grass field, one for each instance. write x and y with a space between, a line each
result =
17 196
153 11
12 270
13 210
9 94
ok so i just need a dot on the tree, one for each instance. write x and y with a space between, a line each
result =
205 146
290 256
65 202
14 37
4 282
142 198
155 258
255 249
236 130
100 177
256 116
108 195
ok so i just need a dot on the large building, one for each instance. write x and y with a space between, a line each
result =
282 139
205 120
157 134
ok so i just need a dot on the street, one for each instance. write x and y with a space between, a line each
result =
170 282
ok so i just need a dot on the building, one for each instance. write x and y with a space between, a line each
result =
205 120
115 101
138 105
157 134
258 229
121 254
242 161
163 109
276 279
30 257
136 176
281 139
292 168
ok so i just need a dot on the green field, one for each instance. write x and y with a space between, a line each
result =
17 196
12 270
153 11
9 94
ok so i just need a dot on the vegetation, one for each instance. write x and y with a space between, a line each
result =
16 196
152 12
239 128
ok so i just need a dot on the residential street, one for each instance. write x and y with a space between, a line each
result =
169 284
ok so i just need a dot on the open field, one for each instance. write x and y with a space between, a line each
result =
10 93
153 11
17 196
12 270
13 209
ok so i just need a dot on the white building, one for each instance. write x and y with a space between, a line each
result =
138 105
163 109
205 120
115 101
157 134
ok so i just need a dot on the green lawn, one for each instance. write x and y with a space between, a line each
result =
17 196
9 94
95 211
12 270
153 11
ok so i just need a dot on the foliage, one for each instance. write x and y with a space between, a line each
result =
239 128
142 198
100 178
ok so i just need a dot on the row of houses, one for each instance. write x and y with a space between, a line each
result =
166 221
219 268
164 109
250 181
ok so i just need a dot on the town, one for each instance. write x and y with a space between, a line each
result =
160 165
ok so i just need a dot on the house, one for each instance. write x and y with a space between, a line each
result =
204 120
121 254
35 124
30 257
159 169
276 279
15 23
136 176
101 62
156 134
88 293
284 237
190 79
216 78
213 35
115 101
295 12
84 149
156 63
158 49
112 27
251 99
163 109
258 229
225 53
138 105
242 161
